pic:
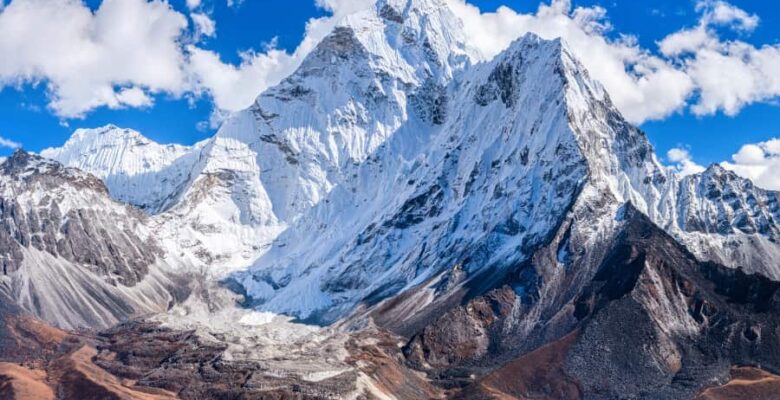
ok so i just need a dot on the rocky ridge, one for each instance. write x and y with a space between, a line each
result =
72 255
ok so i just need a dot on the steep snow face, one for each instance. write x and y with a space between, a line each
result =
480 189
71 255
513 144
349 95
269 163
135 169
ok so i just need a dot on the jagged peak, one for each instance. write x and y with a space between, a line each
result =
21 160
556 53
717 173
22 163
23 167
409 39
529 60
715 169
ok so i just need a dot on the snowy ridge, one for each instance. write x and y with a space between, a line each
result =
135 169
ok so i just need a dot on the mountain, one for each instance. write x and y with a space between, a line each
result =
397 220
73 256
496 179
231 195
135 169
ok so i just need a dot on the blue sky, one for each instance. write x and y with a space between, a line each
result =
27 117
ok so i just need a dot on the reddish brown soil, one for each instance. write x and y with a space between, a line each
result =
79 378
377 355
20 383
536 375
746 383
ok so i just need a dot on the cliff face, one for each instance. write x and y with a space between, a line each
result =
72 255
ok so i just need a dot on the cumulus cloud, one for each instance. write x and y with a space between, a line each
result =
107 58
759 162
234 87
682 162
721 12
204 25
134 97
753 72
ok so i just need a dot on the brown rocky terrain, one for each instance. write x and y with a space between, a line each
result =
18 382
745 383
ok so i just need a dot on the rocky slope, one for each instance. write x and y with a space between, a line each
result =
645 319
70 254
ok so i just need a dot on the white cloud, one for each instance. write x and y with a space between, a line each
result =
134 97
733 76
204 25
686 41
682 161
235 87
728 75
193 4
759 162
90 60
8 143
723 13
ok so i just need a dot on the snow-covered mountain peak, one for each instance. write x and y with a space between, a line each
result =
715 170
412 40
136 169
106 138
